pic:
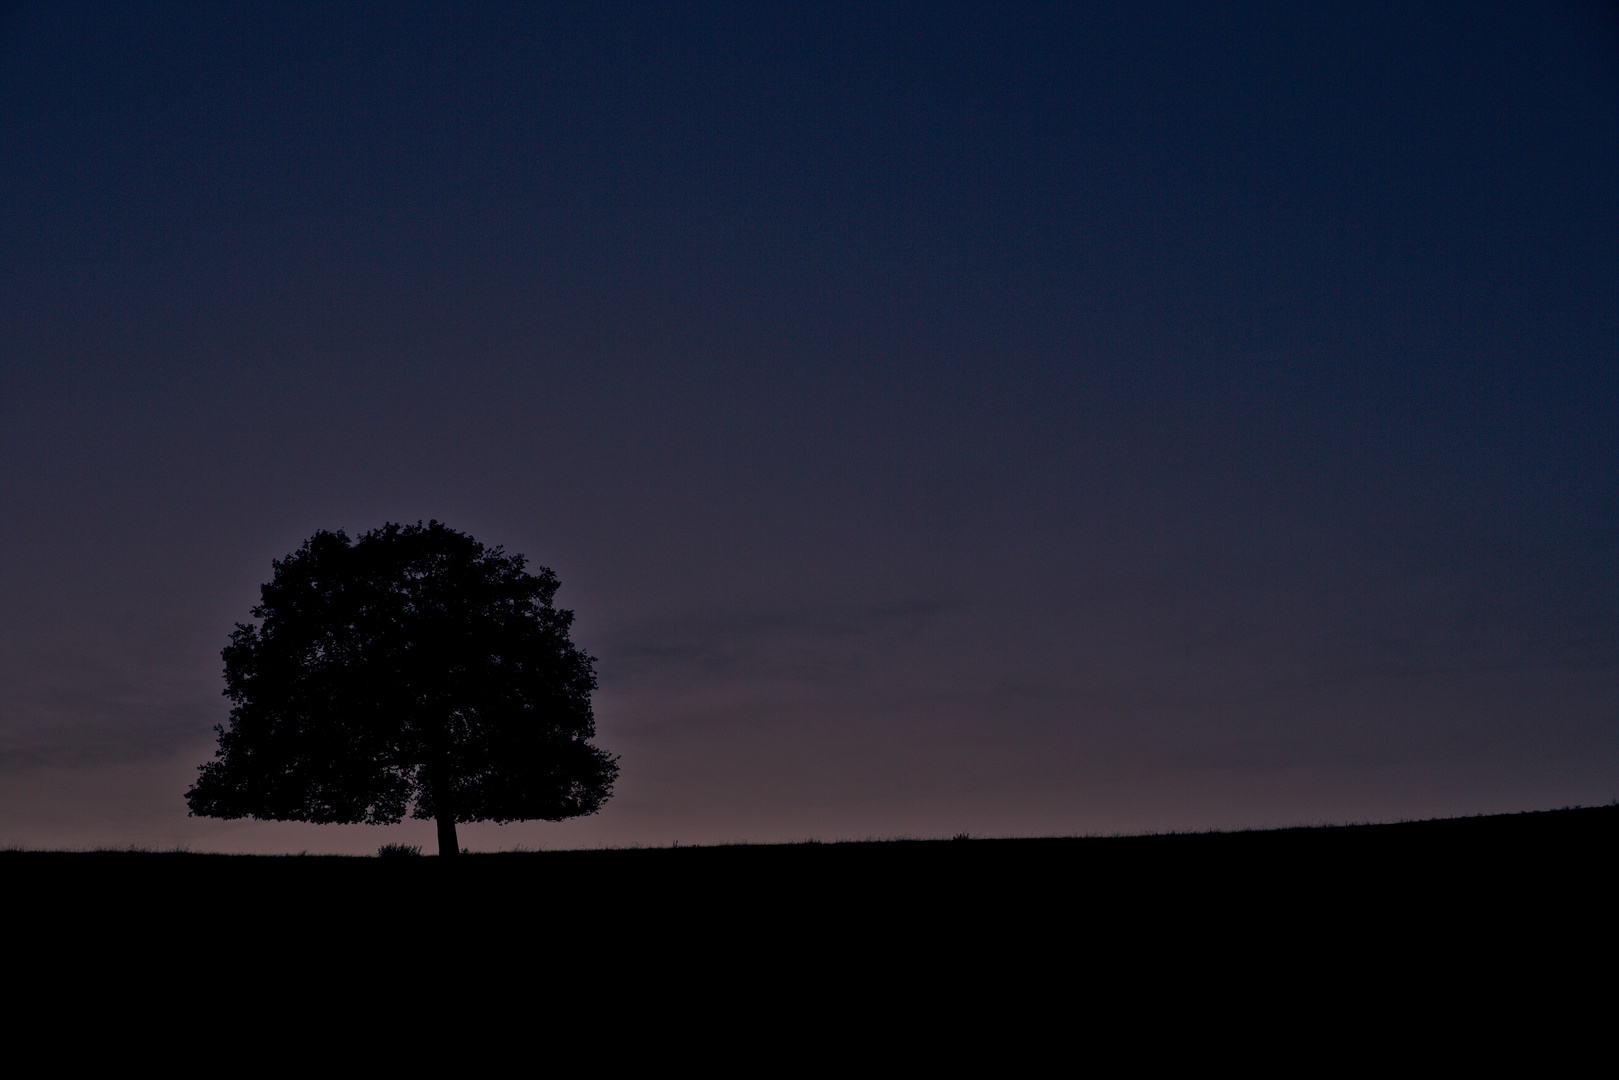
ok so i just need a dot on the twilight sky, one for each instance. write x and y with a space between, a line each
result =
1002 419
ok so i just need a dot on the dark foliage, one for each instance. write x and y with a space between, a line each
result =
410 671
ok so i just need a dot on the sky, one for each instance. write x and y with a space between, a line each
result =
1003 419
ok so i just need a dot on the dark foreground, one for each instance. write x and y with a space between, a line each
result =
1413 871
1451 907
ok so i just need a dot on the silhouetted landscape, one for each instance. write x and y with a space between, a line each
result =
1352 939
572 428
1329 887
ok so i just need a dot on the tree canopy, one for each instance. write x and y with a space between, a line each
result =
412 670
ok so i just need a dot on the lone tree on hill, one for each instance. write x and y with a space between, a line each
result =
412 670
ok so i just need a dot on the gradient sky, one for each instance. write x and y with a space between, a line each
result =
1002 419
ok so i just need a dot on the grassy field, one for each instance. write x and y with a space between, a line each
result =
1433 850
1476 911
1486 862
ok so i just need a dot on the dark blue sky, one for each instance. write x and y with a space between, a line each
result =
941 418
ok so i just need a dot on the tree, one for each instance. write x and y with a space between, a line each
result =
411 670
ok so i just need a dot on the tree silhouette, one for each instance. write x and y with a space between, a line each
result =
411 670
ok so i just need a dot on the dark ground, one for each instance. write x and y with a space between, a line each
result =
1395 917
1355 876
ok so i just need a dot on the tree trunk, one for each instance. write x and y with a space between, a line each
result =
446 834
438 774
